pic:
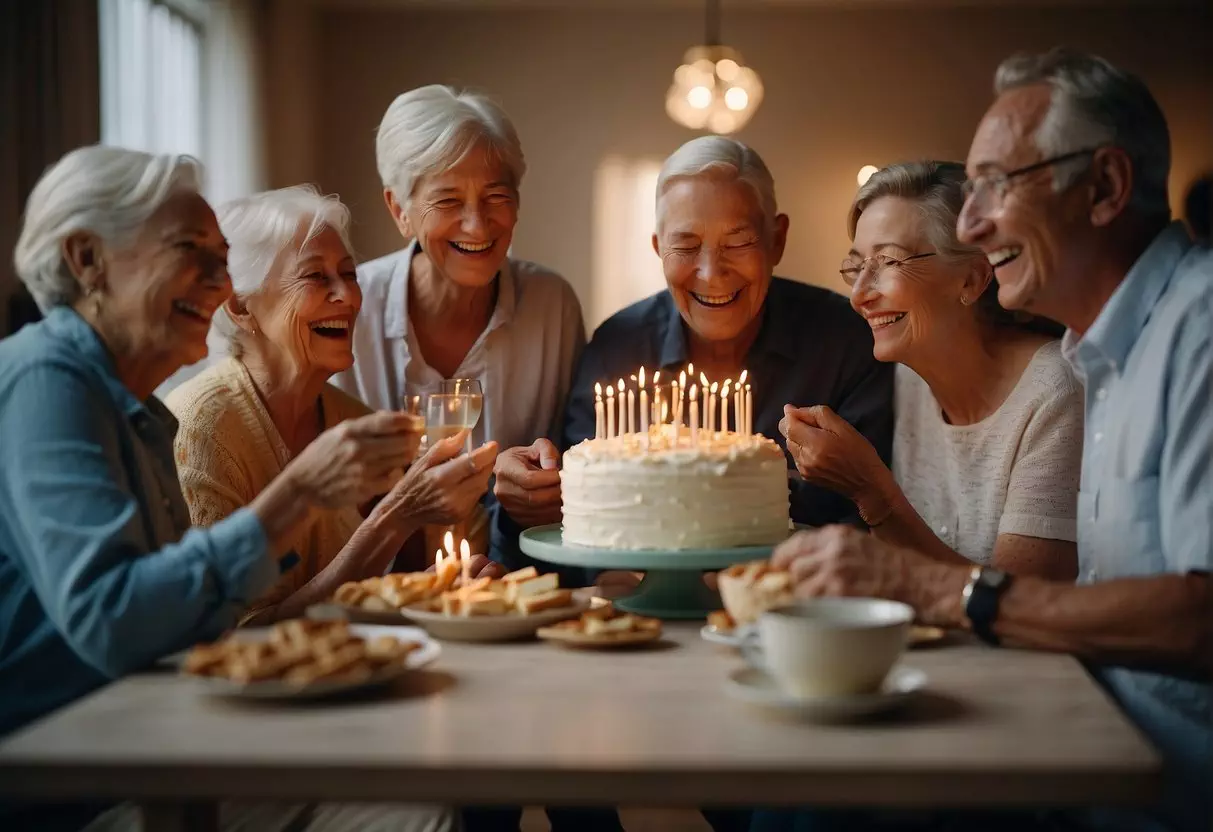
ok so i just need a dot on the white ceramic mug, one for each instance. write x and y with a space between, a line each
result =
832 646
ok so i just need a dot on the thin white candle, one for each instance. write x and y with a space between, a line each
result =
465 562
598 421
631 412
623 416
724 405
644 406
711 420
657 397
448 543
749 411
694 414
610 412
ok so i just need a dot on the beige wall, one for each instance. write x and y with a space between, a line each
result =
844 88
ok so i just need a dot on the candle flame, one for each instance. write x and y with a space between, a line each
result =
703 380
448 543
642 376
610 392
741 379
747 388
691 369
598 390
725 389
694 392
656 376
438 558
714 388
621 387
682 379
465 551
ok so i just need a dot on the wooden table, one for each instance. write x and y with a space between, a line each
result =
537 724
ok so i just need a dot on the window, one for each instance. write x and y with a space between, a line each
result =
625 268
151 74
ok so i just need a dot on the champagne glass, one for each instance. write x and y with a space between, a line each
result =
448 413
473 392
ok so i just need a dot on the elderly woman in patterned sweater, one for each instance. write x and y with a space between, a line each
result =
287 328
987 441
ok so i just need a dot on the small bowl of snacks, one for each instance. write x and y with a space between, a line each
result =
603 627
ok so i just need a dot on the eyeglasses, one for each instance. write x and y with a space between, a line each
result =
852 270
988 190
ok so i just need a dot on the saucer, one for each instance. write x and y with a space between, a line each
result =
726 638
755 686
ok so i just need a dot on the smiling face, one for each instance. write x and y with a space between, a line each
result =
916 307
463 218
161 290
1038 238
308 303
717 254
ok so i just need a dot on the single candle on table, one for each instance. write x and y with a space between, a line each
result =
598 421
610 412
694 414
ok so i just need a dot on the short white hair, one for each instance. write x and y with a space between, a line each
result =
109 191
1094 103
431 129
721 156
258 229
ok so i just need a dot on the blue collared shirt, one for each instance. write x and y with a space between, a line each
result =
99 572
812 349
1145 505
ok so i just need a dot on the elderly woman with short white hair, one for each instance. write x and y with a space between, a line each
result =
100 573
288 327
452 303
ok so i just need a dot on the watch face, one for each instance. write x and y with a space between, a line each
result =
993 578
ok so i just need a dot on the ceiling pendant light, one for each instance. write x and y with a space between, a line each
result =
713 89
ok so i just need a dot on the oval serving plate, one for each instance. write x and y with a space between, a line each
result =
426 654
489 628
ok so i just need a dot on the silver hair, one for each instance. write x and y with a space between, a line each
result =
934 187
430 129
721 156
258 229
1094 103
109 191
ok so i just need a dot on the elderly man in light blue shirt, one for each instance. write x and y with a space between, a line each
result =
1068 198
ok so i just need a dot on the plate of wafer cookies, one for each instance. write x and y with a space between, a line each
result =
305 659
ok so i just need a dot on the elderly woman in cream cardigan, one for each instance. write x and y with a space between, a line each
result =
287 328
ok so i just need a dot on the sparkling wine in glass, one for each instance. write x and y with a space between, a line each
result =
473 400
448 413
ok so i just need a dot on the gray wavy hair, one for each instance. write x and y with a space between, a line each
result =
1094 103
258 229
110 191
721 156
432 128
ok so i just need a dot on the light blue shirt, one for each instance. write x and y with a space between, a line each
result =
1145 505
99 572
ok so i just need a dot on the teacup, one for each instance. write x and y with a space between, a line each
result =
833 646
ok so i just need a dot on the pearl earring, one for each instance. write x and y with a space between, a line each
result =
964 301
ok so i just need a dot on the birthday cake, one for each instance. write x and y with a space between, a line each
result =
669 489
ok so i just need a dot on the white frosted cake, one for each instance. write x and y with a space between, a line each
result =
650 491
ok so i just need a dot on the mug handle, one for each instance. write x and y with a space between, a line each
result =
750 645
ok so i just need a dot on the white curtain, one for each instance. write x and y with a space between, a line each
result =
625 267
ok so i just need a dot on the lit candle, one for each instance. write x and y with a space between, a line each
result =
694 414
691 371
739 402
678 405
610 412
711 420
657 397
465 561
623 416
749 411
598 422
631 412
724 405
644 405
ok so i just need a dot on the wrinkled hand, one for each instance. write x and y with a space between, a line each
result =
355 460
843 561
443 486
829 452
528 484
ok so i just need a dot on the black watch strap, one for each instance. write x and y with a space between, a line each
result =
981 598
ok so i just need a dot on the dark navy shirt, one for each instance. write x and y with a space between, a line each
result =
812 349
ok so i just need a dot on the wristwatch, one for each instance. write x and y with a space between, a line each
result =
981 596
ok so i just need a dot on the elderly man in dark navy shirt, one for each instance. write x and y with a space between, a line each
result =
719 237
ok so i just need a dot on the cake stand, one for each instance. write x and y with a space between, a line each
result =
673 584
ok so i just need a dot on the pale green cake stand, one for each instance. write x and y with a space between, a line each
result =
673 584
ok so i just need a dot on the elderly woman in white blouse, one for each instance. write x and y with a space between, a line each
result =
988 436
286 329
451 303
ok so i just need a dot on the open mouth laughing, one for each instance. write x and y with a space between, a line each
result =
472 249
1003 256
716 301
337 329
196 313
884 321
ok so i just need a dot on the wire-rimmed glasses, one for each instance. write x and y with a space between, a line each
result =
877 264
986 191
